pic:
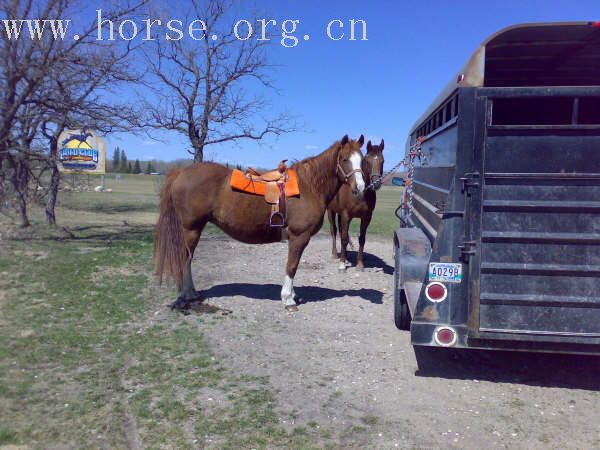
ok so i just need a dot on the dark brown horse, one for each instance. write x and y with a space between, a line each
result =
201 193
347 206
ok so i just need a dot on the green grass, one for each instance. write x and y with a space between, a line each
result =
82 357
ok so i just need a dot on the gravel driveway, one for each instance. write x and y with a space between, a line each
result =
340 365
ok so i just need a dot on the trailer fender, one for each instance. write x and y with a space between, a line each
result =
413 251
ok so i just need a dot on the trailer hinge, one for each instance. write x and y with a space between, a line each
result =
467 249
441 210
468 181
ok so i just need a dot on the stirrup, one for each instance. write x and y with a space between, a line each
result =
281 218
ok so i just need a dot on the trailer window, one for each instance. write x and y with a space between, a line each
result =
532 111
589 110
448 111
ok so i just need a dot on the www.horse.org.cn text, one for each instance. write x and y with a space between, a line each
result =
286 32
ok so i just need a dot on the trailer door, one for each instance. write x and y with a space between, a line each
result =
534 211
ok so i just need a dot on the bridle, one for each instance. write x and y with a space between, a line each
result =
375 179
346 175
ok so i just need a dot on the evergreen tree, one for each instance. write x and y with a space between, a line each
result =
136 167
149 168
129 168
123 166
116 160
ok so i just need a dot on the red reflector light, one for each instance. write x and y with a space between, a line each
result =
436 292
445 336
596 24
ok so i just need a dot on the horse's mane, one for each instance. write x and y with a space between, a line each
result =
314 171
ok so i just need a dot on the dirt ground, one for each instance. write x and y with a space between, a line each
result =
340 363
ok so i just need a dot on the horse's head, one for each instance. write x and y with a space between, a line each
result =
373 165
349 164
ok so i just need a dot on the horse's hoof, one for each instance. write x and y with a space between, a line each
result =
360 267
348 263
334 257
180 304
291 308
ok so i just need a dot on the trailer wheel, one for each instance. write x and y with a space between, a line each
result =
402 317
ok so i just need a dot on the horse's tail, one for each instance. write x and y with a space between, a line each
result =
170 252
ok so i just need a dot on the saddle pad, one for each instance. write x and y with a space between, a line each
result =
240 182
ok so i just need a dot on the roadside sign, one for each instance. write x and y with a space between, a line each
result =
81 151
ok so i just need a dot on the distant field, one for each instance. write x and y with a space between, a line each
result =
130 193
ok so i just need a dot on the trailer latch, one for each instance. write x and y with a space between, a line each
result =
468 181
467 249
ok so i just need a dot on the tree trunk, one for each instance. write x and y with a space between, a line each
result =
54 179
2 178
52 195
198 154
23 210
20 182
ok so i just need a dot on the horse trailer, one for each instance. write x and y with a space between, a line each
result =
499 238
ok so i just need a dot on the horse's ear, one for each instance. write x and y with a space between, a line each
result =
369 146
361 140
381 145
345 140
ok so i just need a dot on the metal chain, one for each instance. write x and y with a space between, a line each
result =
415 152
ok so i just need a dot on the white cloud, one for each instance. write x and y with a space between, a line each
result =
310 147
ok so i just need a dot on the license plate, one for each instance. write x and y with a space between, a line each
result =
445 272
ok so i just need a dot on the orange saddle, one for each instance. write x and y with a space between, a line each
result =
275 186
253 185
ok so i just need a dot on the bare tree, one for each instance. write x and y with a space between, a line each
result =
48 84
202 85
85 97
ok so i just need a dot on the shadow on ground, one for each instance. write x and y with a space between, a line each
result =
371 261
306 294
535 369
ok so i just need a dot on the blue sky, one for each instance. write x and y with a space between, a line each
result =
376 87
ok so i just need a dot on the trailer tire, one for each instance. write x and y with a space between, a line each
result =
402 317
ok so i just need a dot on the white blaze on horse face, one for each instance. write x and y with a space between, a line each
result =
287 291
356 159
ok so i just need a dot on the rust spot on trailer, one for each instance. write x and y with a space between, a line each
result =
430 313
414 248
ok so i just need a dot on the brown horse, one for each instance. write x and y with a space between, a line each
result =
347 206
201 193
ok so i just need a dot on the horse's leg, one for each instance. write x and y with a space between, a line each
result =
364 223
345 238
188 292
332 232
296 245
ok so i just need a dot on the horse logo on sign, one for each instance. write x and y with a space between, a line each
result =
81 151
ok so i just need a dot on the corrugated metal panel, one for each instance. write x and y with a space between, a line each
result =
540 244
